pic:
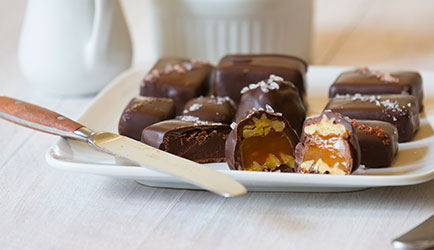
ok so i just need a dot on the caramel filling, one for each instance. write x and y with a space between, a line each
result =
325 151
266 146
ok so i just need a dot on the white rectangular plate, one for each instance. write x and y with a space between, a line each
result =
412 165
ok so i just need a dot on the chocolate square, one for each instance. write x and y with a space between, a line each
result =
367 82
179 79
400 110
378 142
211 108
142 112
237 71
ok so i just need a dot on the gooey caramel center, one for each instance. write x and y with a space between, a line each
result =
265 146
325 150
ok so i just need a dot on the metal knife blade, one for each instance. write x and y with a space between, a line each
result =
420 237
147 156
39 118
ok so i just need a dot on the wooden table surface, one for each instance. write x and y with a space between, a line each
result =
44 208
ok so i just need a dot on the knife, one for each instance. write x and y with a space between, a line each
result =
420 237
44 120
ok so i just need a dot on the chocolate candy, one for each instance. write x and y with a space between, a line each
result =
188 137
367 82
237 71
281 96
179 79
212 108
263 141
142 112
328 145
400 110
378 142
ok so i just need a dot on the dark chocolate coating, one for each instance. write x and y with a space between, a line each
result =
142 112
237 71
211 108
400 110
181 87
197 141
353 82
378 142
284 100
233 154
353 152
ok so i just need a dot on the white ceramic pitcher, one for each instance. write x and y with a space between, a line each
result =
73 47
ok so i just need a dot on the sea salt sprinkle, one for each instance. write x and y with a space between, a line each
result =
178 68
219 100
194 107
266 86
387 104
195 120
233 125
269 109
385 77
256 109
222 99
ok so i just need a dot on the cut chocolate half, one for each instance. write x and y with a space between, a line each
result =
328 145
263 141
188 137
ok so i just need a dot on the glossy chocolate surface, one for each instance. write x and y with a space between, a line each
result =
368 82
237 71
236 139
348 148
281 96
378 142
400 110
211 108
179 79
142 112
188 137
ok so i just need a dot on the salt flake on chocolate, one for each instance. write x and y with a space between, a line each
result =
195 107
195 120
387 104
275 78
268 108
265 86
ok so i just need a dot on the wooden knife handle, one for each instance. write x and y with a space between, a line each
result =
36 117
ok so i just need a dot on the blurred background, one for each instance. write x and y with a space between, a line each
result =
387 34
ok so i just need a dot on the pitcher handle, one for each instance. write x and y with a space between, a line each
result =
96 47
